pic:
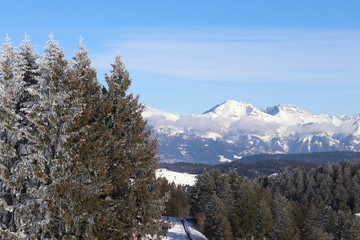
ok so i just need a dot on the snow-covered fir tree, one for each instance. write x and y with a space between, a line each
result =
77 180
75 161
23 180
9 136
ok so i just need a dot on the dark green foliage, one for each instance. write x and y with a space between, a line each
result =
265 164
177 201
299 204
235 201
128 198
248 170
326 198
217 225
264 223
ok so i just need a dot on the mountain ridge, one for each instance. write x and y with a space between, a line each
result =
233 129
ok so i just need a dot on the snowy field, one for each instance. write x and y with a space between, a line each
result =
178 232
176 177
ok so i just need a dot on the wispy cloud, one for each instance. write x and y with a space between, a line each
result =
203 124
240 55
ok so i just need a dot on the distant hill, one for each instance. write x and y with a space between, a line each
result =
266 164
317 157
249 170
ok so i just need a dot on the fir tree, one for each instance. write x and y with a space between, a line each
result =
217 225
23 178
9 136
264 219
282 218
130 203
50 119
74 185
177 204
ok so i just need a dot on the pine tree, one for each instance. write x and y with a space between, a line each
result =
246 205
264 220
48 115
9 136
217 225
177 204
200 195
24 180
73 187
283 220
130 203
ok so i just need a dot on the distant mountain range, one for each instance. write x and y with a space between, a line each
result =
233 130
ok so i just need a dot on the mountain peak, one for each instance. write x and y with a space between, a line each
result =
288 108
233 129
232 109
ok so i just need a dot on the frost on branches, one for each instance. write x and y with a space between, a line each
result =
75 159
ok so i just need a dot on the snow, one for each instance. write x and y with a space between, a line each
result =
195 234
212 135
230 116
177 232
231 122
224 159
237 157
231 109
183 152
176 177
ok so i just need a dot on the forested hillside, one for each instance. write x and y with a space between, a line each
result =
298 204
248 170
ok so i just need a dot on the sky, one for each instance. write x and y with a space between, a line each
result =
188 56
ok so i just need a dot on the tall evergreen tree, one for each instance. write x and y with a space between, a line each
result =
264 219
130 202
23 178
9 136
283 220
177 204
217 225
50 119
74 186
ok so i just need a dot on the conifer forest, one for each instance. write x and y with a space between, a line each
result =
77 161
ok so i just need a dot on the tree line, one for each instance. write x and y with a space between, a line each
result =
298 204
76 161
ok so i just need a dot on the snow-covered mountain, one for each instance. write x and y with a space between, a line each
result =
234 129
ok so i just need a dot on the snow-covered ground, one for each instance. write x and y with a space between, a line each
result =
177 232
176 177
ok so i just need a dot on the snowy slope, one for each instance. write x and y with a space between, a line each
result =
195 234
177 232
237 128
176 177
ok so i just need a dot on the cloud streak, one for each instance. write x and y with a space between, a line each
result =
262 55
198 124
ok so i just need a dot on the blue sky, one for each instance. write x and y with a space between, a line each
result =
187 56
